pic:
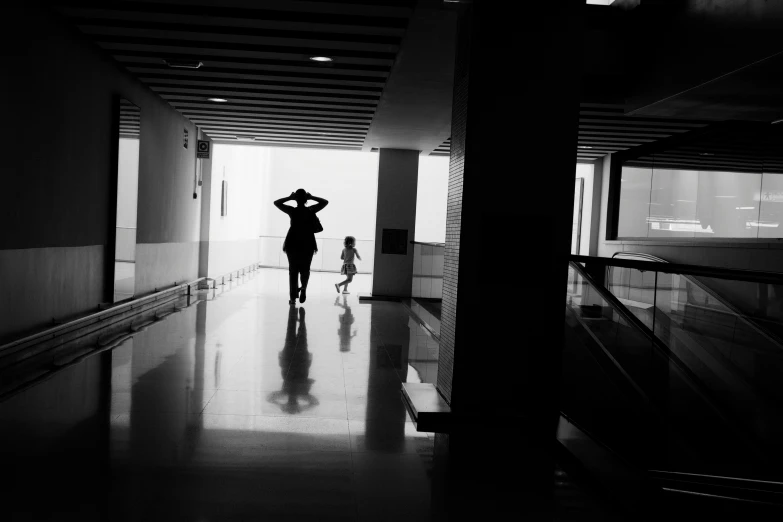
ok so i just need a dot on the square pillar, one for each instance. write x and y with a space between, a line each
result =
508 236
395 222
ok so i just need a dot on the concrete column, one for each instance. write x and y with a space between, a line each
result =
395 222
510 204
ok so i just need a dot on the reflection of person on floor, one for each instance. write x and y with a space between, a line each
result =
346 320
349 268
295 362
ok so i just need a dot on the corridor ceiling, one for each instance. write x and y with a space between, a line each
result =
256 55
605 129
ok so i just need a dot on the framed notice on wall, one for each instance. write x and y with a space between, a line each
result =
224 199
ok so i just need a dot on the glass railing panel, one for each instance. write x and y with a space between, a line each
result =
594 401
629 346
740 363
634 289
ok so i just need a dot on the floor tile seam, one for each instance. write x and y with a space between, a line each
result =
207 403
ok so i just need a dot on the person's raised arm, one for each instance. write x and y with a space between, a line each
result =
320 203
284 208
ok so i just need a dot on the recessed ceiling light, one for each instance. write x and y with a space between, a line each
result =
706 154
183 64
320 59
246 138
584 147
218 100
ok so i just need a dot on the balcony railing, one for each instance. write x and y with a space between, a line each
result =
270 254
428 270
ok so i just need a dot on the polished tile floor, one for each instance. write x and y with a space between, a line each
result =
240 407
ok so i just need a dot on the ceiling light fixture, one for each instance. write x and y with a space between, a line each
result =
218 100
706 154
246 138
776 121
184 64
584 147
321 59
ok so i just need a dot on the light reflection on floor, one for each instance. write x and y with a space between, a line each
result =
245 408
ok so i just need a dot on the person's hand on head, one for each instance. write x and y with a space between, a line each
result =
293 195
309 196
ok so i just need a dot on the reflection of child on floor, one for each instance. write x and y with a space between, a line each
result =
346 320
349 268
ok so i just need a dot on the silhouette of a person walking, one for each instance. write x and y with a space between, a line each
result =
295 360
299 244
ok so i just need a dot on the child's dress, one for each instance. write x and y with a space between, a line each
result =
349 268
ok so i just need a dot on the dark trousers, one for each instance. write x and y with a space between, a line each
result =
298 266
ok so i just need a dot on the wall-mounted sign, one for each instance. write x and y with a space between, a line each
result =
394 241
185 138
202 149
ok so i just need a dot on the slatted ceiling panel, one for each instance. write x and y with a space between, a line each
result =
130 120
256 55
748 148
605 129
444 149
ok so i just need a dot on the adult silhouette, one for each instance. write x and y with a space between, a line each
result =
299 245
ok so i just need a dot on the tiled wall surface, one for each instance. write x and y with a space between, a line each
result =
454 211
428 263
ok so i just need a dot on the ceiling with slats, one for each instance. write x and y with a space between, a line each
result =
256 56
444 149
605 129
748 147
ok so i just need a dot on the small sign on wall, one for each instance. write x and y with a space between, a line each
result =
202 149
185 138
394 241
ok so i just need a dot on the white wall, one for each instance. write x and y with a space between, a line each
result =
233 238
348 179
431 199
586 172
127 182
257 176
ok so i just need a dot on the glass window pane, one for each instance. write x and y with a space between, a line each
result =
728 203
770 222
634 201
673 203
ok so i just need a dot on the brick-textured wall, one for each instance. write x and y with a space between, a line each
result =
454 210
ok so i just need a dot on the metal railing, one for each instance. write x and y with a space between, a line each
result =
327 259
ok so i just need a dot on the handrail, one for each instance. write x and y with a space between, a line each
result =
427 243
319 237
119 307
748 321
616 304
752 276
134 303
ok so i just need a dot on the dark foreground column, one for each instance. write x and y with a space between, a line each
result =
514 129
395 222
